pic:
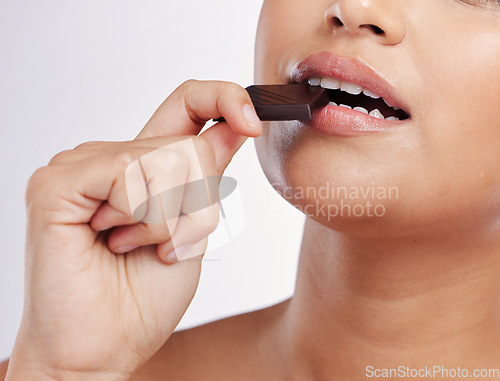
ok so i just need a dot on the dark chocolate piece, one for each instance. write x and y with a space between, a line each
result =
286 102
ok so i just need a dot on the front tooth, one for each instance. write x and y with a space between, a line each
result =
377 114
332 104
370 94
351 88
330 83
314 81
346 106
361 109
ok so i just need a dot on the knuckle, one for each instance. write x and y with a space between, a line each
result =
36 183
234 87
176 160
188 85
232 90
61 157
163 167
88 145
165 162
191 82
123 159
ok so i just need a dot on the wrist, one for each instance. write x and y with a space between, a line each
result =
26 372
24 375
23 369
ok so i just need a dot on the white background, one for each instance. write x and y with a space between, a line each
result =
74 71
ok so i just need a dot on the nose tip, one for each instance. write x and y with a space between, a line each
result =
375 18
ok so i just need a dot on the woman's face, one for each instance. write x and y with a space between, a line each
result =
439 61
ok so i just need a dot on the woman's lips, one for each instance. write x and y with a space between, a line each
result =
340 120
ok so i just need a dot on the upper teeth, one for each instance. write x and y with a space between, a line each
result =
348 87
327 83
370 94
315 81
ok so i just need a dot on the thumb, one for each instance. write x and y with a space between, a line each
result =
226 143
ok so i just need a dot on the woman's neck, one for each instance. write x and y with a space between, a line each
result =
373 303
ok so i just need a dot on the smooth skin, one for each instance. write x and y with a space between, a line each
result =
420 287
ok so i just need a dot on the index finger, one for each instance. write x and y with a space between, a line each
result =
193 103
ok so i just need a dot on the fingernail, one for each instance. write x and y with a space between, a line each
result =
126 248
251 117
171 257
177 254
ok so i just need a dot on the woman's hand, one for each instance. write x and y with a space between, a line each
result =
95 307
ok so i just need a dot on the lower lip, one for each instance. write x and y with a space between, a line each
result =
342 121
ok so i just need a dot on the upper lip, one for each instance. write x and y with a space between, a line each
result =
349 69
